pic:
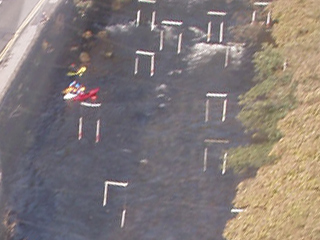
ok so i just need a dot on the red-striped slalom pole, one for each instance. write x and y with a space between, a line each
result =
224 163
152 66
80 129
98 131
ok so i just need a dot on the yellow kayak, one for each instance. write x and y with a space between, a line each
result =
68 90
73 89
80 72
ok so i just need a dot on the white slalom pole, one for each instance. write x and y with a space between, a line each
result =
253 17
268 18
205 157
207 111
123 217
224 164
221 32
138 18
161 40
179 43
224 110
80 129
98 131
153 20
152 66
226 62
209 32
136 65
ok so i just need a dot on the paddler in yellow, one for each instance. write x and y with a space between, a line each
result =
74 87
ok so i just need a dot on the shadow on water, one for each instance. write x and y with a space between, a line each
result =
152 134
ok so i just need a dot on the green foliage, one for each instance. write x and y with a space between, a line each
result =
282 200
251 156
270 99
267 62
263 106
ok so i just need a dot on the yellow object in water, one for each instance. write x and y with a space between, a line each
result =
80 72
68 90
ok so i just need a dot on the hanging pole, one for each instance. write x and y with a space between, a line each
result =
98 131
123 217
179 43
80 129
226 62
224 111
209 31
221 32
161 40
268 18
205 158
153 20
136 65
152 66
224 164
207 111
138 18
253 17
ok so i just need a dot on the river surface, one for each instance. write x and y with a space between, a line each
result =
153 133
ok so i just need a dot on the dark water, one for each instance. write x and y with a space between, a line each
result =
152 132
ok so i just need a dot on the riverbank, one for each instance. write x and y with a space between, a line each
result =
281 202
19 46
152 135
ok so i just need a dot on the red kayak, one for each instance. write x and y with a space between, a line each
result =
85 95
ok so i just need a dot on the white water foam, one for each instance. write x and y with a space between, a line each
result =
122 28
201 53
198 34
236 53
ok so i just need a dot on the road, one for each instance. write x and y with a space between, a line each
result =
155 142
12 14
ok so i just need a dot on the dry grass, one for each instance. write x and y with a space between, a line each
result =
283 199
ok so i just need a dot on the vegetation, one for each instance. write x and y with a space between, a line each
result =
282 111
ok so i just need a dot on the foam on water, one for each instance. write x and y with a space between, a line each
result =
198 34
236 54
122 27
202 53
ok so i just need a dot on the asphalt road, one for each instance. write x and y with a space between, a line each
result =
12 14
